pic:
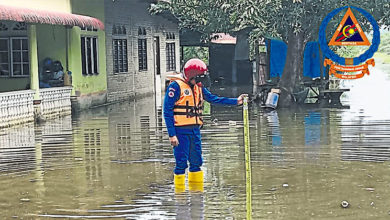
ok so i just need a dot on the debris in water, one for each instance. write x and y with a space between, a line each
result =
285 185
344 204
25 200
232 123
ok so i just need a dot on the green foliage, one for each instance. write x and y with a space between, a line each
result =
382 57
384 47
274 18
196 52
349 52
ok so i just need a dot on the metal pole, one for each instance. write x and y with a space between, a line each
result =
248 170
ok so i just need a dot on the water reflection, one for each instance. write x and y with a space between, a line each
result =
273 124
316 133
116 162
17 149
55 142
189 206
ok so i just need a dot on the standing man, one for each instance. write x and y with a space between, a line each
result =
183 106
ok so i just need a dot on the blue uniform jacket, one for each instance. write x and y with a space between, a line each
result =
173 94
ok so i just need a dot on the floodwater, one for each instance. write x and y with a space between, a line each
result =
116 162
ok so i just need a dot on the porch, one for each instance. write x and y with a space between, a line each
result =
31 40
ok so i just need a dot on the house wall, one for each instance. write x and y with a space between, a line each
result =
134 14
90 90
52 5
13 83
51 43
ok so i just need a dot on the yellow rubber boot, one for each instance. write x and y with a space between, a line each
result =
195 181
179 181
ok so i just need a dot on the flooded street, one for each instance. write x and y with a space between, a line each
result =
116 162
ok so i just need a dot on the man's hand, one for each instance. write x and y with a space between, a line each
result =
240 99
174 141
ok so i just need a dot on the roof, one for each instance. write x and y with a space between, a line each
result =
221 38
11 13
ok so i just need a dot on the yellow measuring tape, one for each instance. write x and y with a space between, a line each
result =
248 173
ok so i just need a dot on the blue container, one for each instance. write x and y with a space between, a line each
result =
272 100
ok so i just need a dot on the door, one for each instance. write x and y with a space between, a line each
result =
157 70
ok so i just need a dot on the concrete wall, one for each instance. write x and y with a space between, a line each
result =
51 43
52 5
10 83
90 90
134 14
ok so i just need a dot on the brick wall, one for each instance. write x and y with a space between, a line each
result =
133 14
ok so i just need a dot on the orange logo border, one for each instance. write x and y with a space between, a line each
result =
350 14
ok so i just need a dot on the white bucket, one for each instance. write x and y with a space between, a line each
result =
272 100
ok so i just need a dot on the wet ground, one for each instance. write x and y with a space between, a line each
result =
116 162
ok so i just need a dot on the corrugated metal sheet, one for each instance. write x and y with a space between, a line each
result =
221 38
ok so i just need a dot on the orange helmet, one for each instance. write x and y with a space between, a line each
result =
194 67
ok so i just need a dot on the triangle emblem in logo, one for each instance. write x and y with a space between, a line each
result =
349 32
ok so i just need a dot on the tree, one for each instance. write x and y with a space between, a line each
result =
294 21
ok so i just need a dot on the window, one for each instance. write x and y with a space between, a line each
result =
20 26
3 27
142 49
119 49
120 55
88 29
14 57
142 56
118 30
89 55
4 57
141 31
170 36
171 58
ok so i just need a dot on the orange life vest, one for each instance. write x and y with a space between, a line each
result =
188 109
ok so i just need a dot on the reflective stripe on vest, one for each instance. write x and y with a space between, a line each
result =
188 109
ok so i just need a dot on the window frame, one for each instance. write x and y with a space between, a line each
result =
8 56
125 57
142 54
87 73
21 53
170 56
119 35
11 51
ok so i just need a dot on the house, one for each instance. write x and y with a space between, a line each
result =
35 34
102 50
141 49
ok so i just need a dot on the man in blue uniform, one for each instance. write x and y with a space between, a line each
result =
183 107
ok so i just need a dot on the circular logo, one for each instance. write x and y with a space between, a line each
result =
349 33
186 92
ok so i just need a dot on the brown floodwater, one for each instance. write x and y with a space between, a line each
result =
116 162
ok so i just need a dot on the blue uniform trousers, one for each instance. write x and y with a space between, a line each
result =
189 149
